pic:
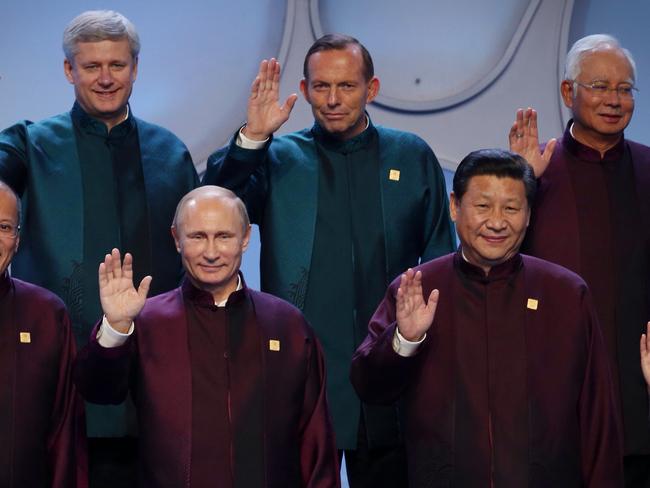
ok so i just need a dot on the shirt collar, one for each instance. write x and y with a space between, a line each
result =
223 302
356 143
96 127
205 298
498 272
586 153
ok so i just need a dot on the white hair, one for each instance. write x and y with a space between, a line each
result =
96 26
584 46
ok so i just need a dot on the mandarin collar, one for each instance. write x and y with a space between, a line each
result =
205 299
354 144
5 284
499 272
586 153
96 127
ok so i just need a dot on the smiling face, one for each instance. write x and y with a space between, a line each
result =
338 92
211 238
491 219
8 220
103 74
599 119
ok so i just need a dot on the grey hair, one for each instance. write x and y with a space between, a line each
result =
591 43
214 191
99 25
4 187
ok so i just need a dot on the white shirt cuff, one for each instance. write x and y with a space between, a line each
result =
246 143
404 347
108 337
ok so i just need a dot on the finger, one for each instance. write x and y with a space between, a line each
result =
532 122
103 278
406 281
520 121
276 74
432 302
528 115
291 101
108 267
548 150
143 289
513 132
262 73
255 88
262 68
270 70
402 291
117 263
127 266
401 302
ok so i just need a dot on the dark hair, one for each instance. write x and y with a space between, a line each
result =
495 162
331 42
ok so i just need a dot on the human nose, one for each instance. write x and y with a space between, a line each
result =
105 77
612 97
333 97
496 221
211 250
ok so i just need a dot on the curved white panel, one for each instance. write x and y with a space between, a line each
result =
462 46
196 65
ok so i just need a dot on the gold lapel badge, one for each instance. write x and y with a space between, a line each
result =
393 175
274 345
25 337
532 304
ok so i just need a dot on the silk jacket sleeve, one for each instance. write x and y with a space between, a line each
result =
102 375
244 172
378 373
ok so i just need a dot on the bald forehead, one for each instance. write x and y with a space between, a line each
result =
205 202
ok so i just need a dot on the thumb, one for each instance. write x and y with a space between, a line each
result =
548 150
291 101
432 303
143 289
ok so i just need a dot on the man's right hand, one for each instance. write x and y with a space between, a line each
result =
121 302
414 317
524 140
265 115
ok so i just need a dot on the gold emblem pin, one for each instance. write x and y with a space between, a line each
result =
393 175
532 304
25 337
274 345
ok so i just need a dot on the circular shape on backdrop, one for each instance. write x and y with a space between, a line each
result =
430 55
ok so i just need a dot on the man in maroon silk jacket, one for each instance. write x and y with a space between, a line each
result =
229 383
41 419
509 386
592 215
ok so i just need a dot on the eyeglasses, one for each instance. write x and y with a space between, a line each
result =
8 230
600 89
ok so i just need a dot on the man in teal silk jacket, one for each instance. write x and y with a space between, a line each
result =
92 179
343 207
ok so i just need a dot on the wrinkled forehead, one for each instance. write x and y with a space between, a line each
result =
197 210
606 62
496 187
348 58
